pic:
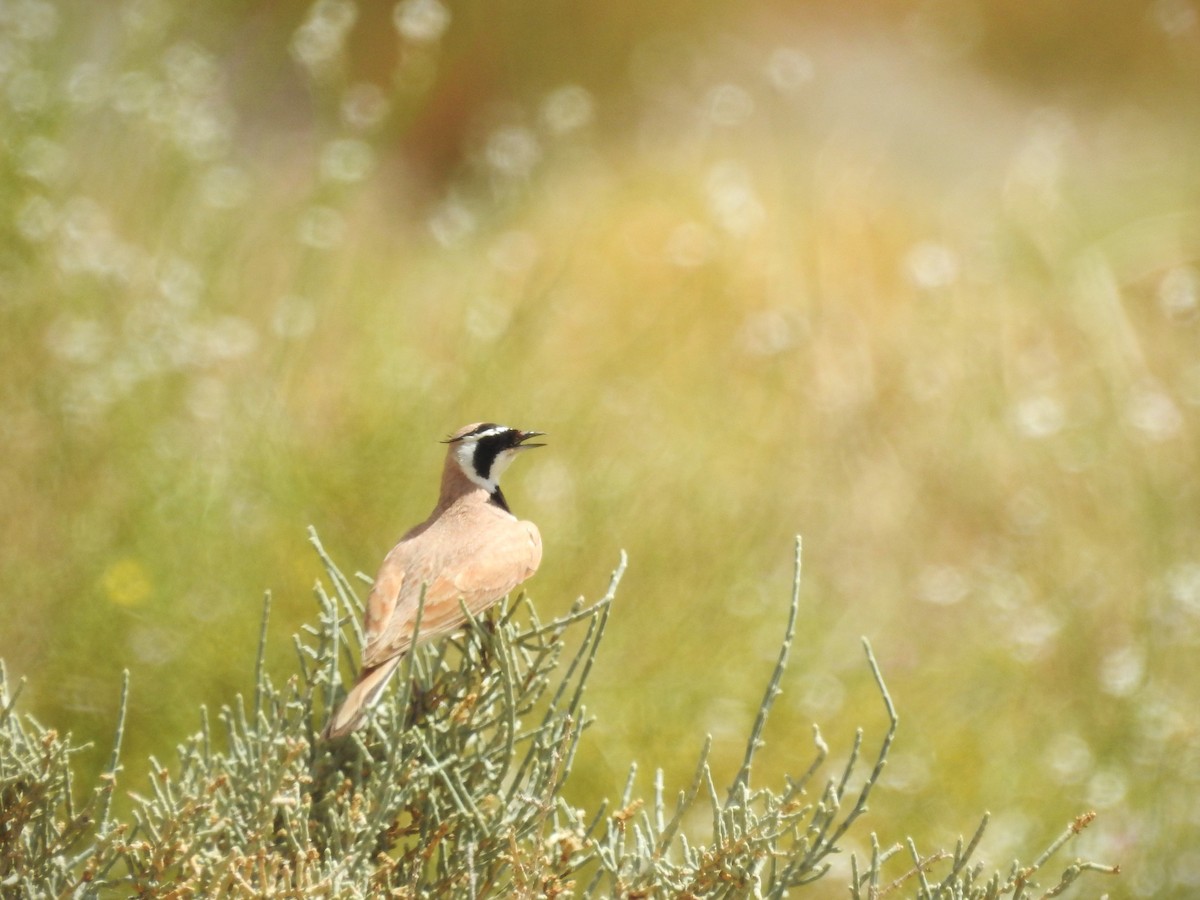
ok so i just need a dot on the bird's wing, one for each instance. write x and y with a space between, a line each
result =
477 572
381 603
499 566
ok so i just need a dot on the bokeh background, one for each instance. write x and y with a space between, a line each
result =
917 280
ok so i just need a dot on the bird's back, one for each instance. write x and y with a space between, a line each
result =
470 551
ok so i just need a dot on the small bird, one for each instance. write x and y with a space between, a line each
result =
471 549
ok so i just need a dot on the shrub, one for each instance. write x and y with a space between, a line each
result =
453 789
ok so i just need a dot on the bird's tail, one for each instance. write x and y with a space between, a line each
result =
370 684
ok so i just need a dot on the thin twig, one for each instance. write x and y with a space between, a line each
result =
773 689
114 761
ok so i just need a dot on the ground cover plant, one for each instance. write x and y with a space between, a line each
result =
455 789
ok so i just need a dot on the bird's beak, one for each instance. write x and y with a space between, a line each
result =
525 436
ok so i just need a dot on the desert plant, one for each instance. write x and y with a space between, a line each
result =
453 788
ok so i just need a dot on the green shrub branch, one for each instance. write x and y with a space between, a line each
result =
453 789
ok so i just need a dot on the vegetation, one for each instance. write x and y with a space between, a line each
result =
918 281
453 789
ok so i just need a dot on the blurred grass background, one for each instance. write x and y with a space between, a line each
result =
916 280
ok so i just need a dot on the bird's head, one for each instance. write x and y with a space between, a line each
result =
484 450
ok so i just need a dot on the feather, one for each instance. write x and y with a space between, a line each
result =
470 551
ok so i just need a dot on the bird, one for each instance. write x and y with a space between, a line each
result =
471 551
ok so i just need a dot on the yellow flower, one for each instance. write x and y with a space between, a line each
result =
126 583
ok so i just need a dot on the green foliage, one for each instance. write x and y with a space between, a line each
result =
454 788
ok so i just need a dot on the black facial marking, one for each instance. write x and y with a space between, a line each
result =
498 498
488 448
478 429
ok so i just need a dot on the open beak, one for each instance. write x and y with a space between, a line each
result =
525 436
